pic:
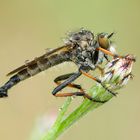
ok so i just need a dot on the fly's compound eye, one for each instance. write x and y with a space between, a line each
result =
103 40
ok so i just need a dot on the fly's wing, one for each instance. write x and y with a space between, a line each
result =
65 47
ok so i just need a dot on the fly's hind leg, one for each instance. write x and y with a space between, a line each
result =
70 78
78 94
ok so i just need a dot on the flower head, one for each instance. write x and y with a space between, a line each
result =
118 72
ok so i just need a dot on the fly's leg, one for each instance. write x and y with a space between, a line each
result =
70 78
108 52
99 81
106 57
79 94
64 77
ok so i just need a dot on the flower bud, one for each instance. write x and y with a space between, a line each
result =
118 72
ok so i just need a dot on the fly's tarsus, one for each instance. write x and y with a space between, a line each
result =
106 88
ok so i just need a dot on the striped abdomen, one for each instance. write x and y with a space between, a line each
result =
39 64
42 64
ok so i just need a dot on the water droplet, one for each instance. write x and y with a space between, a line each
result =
60 109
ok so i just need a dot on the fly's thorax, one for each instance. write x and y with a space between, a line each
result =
81 37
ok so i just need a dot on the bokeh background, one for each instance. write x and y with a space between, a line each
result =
27 27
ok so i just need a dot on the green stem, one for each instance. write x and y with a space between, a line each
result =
84 108
51 135
62 123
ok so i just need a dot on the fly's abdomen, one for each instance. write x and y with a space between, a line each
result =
32 68
42 64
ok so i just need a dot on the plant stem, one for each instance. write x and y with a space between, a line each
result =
62 123
51 135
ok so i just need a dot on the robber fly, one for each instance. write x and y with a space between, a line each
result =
82 48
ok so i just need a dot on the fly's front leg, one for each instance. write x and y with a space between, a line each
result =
99 81
108 52
106 57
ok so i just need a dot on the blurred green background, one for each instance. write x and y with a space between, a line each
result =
27 27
